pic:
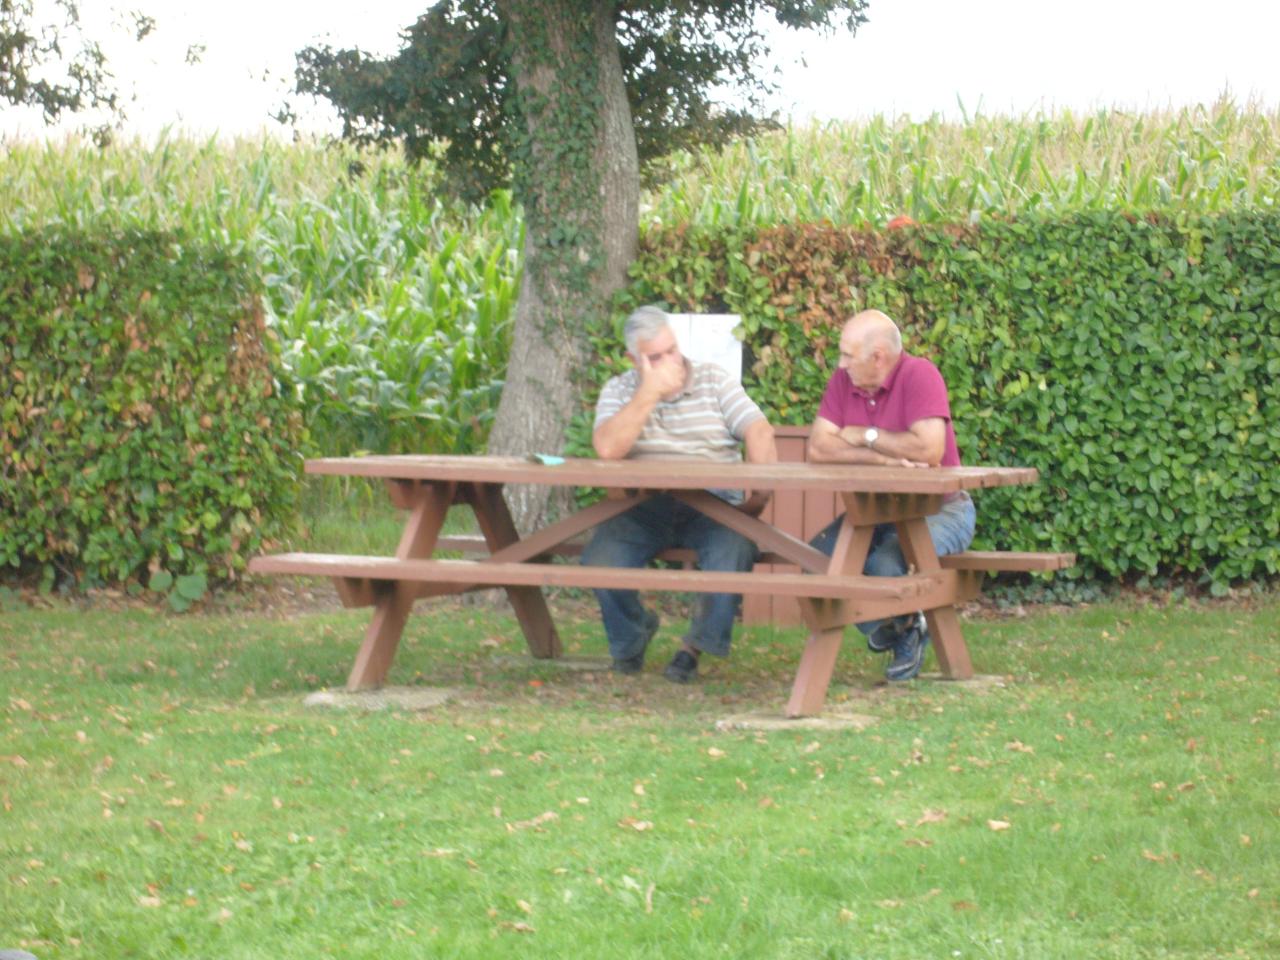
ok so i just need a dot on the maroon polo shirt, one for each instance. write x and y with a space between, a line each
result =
913 391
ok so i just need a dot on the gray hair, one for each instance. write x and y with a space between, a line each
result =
644 323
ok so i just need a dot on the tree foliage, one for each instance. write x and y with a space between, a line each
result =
449 92
46 60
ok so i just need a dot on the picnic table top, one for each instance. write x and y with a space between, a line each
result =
675 474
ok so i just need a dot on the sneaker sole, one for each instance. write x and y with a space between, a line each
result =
913 670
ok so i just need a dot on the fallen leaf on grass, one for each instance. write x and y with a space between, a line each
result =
1153 857
999 824
634 824
918 842
533 824
16 760
964 905
1018 746
845 915
889 904
148 901
715 753
525 906
932 816
519 926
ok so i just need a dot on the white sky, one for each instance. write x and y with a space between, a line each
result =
914 57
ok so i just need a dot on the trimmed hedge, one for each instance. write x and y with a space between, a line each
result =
1134 362
143 434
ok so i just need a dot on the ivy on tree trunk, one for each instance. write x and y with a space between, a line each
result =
576 142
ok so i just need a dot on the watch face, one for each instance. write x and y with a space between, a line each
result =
871 435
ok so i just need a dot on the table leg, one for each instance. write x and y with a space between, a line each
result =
382 638
944 622
818 661
528 603
428 505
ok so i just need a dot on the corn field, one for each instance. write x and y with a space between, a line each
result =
392 305
1202 159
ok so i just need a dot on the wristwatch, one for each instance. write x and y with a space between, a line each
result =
870 436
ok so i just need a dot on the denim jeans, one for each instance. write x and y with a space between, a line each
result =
951 529
634 538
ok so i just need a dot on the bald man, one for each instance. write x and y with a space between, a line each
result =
885 407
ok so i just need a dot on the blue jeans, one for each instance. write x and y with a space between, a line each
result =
634 538
951 529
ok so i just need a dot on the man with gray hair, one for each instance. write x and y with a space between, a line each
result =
888 408
670 408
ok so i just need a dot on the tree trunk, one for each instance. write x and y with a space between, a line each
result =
578 178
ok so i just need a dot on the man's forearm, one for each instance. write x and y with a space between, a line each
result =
833 448
894 445
614 438
761 445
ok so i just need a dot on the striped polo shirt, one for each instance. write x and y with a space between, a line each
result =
707 421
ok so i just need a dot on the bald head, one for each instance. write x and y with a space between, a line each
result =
870 345
871 328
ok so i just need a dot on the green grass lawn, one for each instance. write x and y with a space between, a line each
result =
165 793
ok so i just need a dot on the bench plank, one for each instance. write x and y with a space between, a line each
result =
464 543
608 578
1006 560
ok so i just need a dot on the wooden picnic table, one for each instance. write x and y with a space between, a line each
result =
831 591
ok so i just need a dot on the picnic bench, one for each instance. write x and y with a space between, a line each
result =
831 593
